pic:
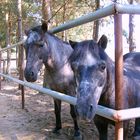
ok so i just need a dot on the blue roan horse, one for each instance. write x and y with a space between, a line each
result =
94 75
44 48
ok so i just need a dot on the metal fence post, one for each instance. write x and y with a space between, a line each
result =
118 73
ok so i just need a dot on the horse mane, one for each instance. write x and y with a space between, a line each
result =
81 48
39 30
90 45
60 40
36 29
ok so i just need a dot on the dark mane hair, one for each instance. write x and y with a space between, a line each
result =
39 30
36 29
81 47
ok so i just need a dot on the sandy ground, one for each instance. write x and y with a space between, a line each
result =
36 121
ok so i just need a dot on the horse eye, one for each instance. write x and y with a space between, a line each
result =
102 66
40 43
74 65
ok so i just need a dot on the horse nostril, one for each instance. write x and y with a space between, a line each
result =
91 108
31 74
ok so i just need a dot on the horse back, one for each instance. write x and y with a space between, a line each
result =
132 78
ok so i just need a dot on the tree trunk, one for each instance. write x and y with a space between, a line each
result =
7 71
17 50
46 11
132 45
20 38
96 23
64 11
46 14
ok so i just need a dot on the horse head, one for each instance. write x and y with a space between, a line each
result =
90 75
35 48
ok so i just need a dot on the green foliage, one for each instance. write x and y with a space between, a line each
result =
32 15
30 8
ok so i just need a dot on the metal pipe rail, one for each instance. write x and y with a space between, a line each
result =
12 46
55 94
127 9
106 11
102 111
109 10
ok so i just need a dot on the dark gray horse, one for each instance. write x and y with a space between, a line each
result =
94 74
44 48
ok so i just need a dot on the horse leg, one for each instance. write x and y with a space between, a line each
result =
77 134
136 134
57 107
126 129
102 126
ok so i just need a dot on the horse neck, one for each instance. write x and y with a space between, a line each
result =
110 79
110 65
59 51
108 95
111 72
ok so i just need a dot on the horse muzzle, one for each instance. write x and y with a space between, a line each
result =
30 75
85 110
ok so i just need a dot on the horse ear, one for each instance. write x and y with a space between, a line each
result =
26 31
72 43
103 42
44 27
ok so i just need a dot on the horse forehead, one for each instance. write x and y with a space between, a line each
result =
90 59
33 36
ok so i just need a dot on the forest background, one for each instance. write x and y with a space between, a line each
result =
56 12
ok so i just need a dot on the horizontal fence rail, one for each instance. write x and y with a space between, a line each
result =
103 12
13 46
127 9
55 94
102 111
109 10
127 114
12 59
